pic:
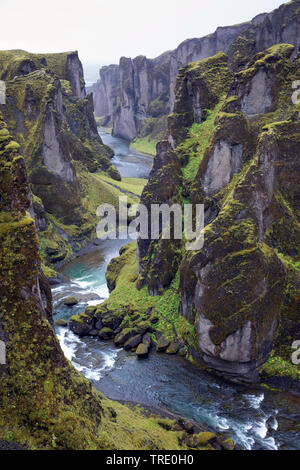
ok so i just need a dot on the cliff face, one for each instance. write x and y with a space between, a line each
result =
43 399
139 83
106 91
233 145
49 113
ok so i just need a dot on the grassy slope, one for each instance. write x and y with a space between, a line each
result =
145 145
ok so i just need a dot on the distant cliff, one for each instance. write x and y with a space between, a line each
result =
137 89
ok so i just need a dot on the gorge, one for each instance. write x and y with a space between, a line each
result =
144 344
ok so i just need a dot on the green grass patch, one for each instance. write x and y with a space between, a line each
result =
197 142
133 186
145 145
278 367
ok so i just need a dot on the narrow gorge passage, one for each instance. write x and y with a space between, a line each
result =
256 418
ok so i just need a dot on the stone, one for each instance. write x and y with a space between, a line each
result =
206 437
71 301
142 350
93 332
226 444
133 342
106 333
111 321
147 340
173 348
80 325
61 322
124 336
162 344
187 425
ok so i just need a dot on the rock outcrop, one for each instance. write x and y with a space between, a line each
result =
128 93
233 145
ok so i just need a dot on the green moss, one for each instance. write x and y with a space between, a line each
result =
145 145
164 307
278 367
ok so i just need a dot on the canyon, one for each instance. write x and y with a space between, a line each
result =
207 332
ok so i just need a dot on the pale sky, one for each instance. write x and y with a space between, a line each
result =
104 30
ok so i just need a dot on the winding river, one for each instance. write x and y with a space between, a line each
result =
255 418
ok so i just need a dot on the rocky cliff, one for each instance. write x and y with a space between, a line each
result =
48 112
43 399
232 145
136 89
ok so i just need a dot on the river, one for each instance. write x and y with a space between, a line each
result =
255 418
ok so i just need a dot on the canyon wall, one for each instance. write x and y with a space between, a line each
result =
129 93
232 145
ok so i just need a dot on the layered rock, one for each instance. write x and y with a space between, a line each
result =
232 145
136 84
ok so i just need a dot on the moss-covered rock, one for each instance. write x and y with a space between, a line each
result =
132 343
125 335
51 117
142 350
61 322
162 344
71 301
106 333
236 141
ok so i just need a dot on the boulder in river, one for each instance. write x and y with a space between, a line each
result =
61 322
142 350
125 335
162 344
106 333
147 340
133 342
71 301
173 348
80 325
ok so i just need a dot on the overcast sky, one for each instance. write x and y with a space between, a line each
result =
104 30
